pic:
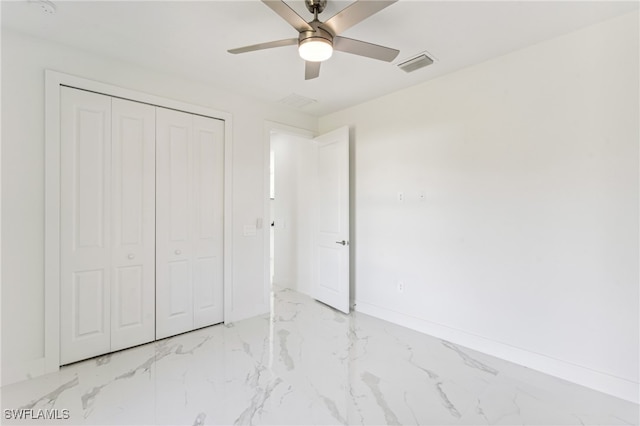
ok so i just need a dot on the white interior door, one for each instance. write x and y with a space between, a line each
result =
332 224
174 201
85 224
189 221
208 202
133 224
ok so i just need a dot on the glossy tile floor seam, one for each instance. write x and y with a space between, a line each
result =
306 364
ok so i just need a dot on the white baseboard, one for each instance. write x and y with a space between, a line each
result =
19 371
615 386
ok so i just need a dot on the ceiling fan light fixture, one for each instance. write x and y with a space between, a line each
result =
316 38
315 49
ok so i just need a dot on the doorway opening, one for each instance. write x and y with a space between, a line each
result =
291 176
310 214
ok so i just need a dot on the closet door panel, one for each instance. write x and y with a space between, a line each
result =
85 231
208 220
88 303
174 202
133 224
179 289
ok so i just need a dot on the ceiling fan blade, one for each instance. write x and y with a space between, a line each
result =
311 70
288 14
356 12
363 48
267 45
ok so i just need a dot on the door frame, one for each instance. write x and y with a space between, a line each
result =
269 128
53 81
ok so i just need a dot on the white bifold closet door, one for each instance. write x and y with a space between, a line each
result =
133 220
107 224
189 221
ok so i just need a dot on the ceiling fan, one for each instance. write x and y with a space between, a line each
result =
317 40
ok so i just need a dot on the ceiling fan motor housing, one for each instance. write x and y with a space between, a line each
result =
317 33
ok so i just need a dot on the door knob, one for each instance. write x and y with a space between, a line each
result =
131 256
178 251
343 242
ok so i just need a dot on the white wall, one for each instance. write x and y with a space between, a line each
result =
24 60
292 211
526 245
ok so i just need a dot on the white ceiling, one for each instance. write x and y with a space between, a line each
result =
191 39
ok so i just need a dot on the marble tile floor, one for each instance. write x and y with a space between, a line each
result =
308 364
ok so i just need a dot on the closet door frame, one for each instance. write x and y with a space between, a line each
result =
53 82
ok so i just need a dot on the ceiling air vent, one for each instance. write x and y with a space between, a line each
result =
296 101
417 62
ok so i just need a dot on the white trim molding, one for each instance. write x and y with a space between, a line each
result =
602 382
24 369
53 81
